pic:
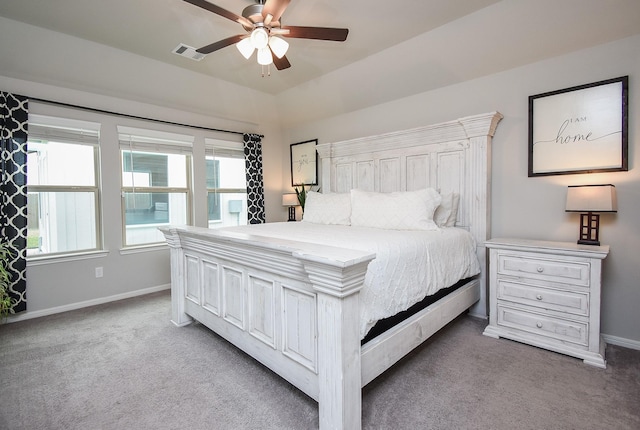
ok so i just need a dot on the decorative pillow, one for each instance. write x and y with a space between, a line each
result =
442 213
407 210
451 221
447 212
332 208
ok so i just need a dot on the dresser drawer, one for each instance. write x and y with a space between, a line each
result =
572 272
573 302
543 325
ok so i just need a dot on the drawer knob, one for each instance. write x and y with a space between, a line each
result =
539 297
540 269
539 325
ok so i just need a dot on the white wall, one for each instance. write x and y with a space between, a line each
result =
49 65
522 206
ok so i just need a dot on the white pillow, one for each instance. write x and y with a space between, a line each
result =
408 210
447 213
453 217
332 208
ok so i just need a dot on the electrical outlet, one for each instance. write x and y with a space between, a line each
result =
99 272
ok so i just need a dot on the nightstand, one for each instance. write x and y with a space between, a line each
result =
547 294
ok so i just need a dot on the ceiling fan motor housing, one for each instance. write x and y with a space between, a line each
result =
254 14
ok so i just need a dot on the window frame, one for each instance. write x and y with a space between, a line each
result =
220 148
136 140
45 129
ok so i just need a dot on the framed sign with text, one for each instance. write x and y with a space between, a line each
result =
304 166
581 129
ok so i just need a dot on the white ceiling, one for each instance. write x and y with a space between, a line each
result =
153 28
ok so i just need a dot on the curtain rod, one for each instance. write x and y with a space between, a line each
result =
124 115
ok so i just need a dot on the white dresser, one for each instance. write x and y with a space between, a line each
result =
547 294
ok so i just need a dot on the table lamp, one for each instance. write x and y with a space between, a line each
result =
291 200
591 200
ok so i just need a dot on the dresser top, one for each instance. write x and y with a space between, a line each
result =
546 246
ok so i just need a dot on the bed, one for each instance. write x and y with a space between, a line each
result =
295 306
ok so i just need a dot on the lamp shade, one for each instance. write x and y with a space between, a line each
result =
591 198
279 46
264 56
290 199
245 46
259 38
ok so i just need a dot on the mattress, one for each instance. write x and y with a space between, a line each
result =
409 265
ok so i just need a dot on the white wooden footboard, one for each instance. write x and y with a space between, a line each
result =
294 307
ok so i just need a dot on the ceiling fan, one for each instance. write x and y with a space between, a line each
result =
261 21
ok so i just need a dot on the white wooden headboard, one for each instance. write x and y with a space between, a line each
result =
453 156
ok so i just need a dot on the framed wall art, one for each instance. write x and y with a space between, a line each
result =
304 165
581 129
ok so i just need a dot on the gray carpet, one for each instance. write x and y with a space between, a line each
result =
123 365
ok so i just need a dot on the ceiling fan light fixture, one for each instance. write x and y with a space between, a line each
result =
260 38
264 56
279 46
245 46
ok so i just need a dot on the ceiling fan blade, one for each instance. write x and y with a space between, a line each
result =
222 12
221 44
274 9
320 33
278 31
281 63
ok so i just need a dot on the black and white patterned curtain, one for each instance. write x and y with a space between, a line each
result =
255 185
13 191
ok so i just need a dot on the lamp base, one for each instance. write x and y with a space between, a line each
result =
292 213
589 242
589 229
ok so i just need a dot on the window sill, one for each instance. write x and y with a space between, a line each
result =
63 258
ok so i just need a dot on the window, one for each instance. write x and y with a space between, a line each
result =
63 199
226 184
155 183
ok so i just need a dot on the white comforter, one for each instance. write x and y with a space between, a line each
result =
409 265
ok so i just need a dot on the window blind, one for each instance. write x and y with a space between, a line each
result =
47 129
154 141
223 148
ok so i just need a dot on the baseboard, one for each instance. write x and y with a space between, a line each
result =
478 315
621 341
73 306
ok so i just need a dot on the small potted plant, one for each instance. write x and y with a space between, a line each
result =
302 195
6 301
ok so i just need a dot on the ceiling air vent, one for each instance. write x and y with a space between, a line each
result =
188 52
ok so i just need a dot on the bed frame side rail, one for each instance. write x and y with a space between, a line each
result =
385 350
